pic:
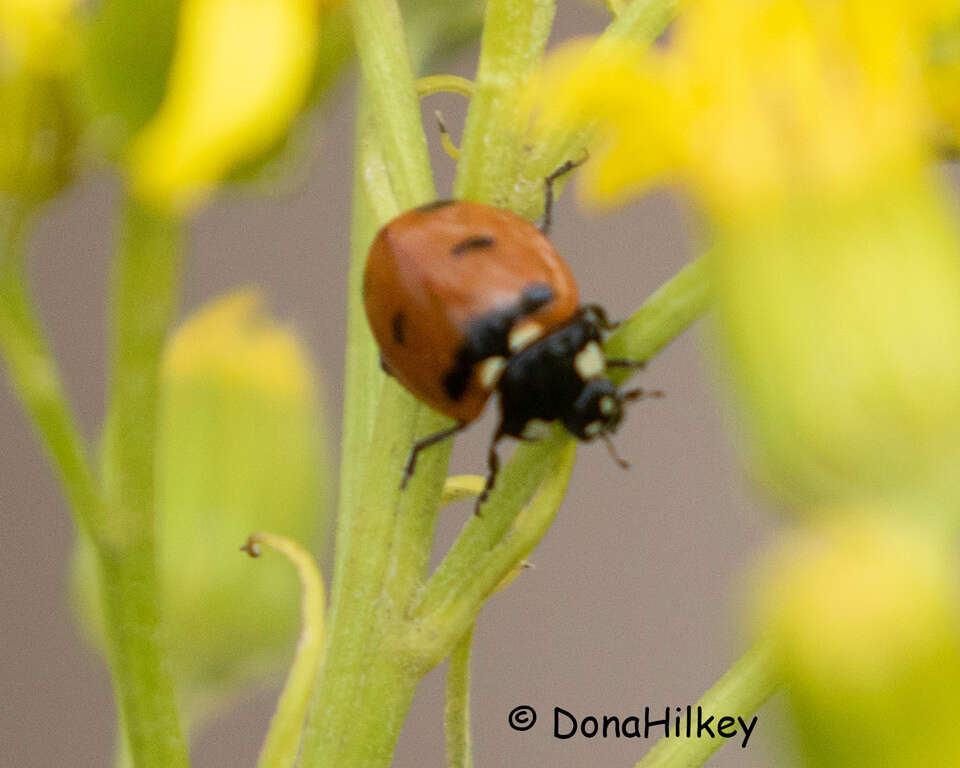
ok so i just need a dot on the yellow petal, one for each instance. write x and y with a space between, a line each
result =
36 35
239 75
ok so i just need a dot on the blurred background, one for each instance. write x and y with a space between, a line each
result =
633 600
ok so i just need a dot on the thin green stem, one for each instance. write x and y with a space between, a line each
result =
515 34
427 86
459 487
741 691
282 744
479 560
456 712
145 284
35 378
516 486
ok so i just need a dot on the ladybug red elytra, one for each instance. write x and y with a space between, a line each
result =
466 299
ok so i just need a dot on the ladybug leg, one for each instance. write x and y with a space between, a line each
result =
597 315
623 362
622 462
493 467
548 188
423 443
641 394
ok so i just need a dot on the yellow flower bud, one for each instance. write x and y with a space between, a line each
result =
862 614
240 450
240 73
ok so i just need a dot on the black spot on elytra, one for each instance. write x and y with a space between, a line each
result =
399 328
436 204
471 243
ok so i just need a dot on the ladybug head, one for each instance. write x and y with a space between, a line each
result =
597 410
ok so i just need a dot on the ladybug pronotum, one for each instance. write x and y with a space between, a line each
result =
465 300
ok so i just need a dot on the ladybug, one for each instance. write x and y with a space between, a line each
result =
465 299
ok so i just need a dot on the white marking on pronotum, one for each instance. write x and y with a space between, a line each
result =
523 334
590 361
607 405
536 429
490 370
593 429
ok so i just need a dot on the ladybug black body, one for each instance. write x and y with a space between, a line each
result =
466 299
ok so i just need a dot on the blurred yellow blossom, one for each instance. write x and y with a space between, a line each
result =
38 45
863 612
944 81
803 127
36 35
240 73
750 97
229 342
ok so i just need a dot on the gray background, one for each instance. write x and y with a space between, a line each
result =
634 597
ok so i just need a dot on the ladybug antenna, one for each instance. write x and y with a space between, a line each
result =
613 451
640 394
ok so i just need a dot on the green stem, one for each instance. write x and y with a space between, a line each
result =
741 691
145 282
515 34
363 693
358 693
456 712
282 744
670 310
36 380
480 559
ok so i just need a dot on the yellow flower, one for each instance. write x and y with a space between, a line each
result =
36 36
38 43
752 97
944 82
802 128
240 73
862 615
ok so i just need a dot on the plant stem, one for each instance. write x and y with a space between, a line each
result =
452 600
515 34
363 693
741 691
145 283
456 712
282 744
36 380
670 310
